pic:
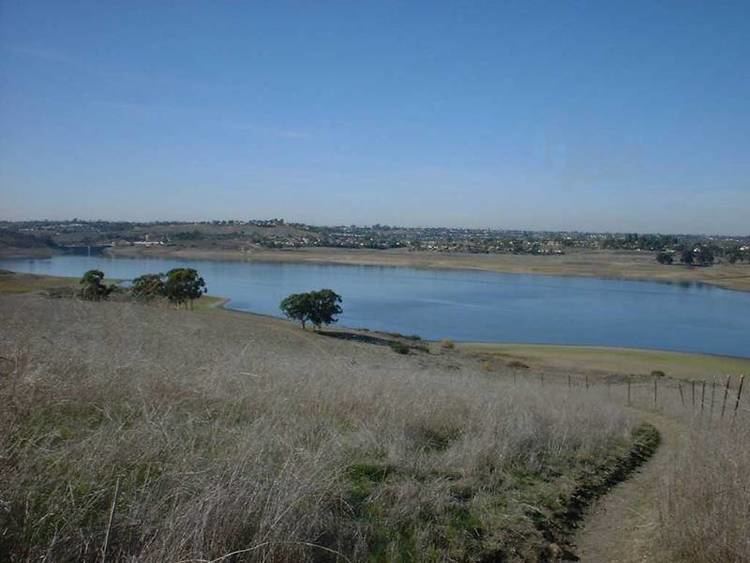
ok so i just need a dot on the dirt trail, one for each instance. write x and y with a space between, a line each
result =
622 526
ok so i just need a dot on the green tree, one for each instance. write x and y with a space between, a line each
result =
704 256
318 307
687 256
297 306
148 286
184 285
664 258
93 287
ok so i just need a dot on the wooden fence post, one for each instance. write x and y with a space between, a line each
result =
739 394
703 396
692 392
682 395
629 378
570 384
713 393
726 393
587 381
656 390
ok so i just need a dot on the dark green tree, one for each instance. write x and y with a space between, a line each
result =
687 256
664 258
318 307
93 287
184 285
148 286
704 256
297 306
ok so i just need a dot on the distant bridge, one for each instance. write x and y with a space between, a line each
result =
85 249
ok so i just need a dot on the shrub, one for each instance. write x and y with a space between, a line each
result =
658 373
447 344
515 364
399 347
93 287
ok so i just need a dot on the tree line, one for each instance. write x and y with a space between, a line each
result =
182 286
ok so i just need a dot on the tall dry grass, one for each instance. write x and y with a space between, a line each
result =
705 501
223 434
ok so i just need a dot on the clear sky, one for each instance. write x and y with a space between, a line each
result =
614 116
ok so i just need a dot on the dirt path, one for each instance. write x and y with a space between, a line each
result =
622 526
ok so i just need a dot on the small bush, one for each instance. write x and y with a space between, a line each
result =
447 344
658 373
515 364
399 347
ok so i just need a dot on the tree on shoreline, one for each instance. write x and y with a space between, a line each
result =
184 285
93 287
664 258
317 307
148 286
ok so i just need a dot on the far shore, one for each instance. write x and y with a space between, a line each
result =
625 265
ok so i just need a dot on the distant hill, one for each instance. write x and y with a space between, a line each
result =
14 243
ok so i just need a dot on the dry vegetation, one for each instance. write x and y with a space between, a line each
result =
705 503
207 432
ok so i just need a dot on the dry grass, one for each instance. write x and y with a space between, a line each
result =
11 282
705 503
225 432
600 360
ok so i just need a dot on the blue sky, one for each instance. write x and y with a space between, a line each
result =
616 116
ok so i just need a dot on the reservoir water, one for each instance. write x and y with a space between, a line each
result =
468 305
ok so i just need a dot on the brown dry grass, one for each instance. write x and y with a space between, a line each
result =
705 500
225 432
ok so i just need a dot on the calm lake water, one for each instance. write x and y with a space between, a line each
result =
469 305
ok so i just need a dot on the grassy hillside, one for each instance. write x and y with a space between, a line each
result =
206 432
599 360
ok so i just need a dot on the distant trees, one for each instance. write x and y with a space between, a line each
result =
93 287
686 257
704 255
701 255
664 258
317 307
179 285
148 286
184 285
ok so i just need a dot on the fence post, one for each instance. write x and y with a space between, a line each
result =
726 393
692 392
629 378
713 393
587 381
656 390
682 395
703 396
739 394
569 382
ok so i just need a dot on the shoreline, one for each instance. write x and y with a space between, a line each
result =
574 354
606 265
625 266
